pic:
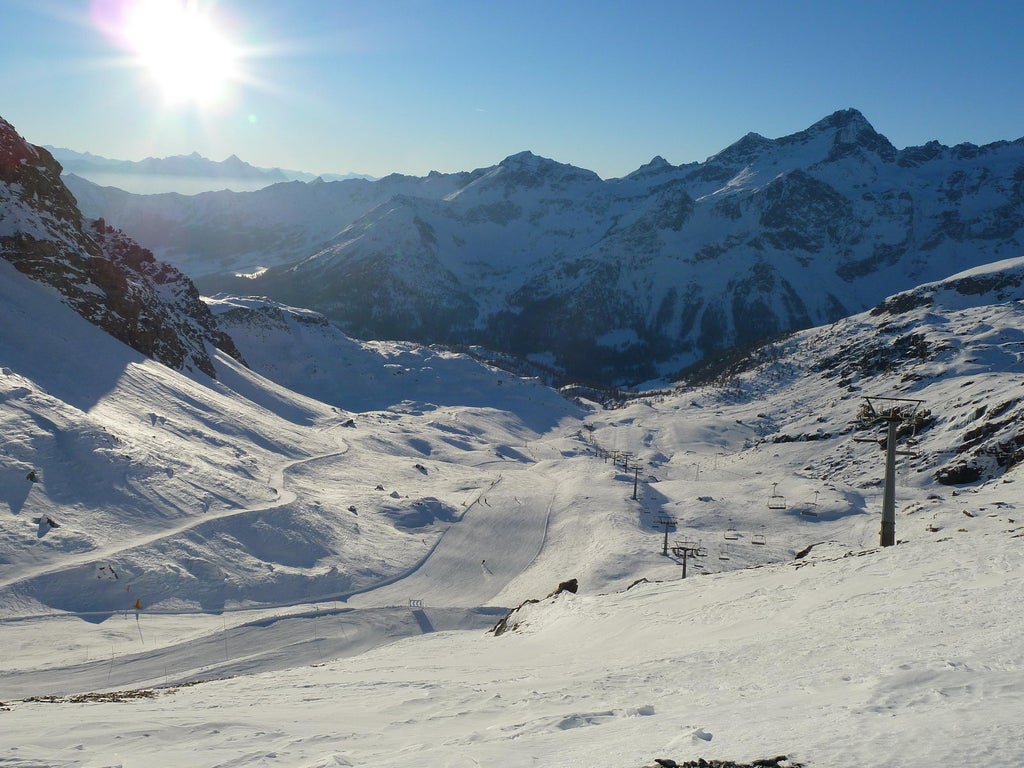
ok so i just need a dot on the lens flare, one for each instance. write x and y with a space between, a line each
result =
179 45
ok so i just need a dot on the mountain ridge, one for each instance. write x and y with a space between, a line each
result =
192 165
617 280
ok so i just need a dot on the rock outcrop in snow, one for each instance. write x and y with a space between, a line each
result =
100 272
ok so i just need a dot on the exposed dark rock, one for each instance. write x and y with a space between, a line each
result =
101 273
509 621
566 586
802 437
959 474
780 761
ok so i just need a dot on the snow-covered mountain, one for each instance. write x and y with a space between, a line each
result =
300 561
618 279
243 232
99 272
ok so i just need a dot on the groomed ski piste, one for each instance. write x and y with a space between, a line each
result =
305 573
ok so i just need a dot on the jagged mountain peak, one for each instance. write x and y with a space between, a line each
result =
524 159
31 180
656 166
533 170
841 119
743 151
849 132
842 133
12 144
914 156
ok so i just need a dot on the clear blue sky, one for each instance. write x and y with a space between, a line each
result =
377 86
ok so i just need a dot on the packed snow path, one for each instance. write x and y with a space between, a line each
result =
496 540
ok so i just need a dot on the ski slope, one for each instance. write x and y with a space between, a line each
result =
316 583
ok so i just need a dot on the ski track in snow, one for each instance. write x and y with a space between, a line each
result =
276 483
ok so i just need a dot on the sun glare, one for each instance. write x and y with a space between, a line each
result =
181 49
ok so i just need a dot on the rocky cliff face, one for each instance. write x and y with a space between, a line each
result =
628 278
101 273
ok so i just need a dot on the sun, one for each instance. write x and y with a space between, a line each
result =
181 49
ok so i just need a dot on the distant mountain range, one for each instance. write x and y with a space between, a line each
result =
617 280
141 175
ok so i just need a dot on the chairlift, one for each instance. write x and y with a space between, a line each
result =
811 510
731 534
723 553
776 501
759 539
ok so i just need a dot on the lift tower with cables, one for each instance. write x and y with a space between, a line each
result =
669 523
894 411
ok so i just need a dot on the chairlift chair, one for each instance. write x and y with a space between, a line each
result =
723 553
776 500
759 539
811 510
731 534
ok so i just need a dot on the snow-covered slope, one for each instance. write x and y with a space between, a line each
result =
614 280
436 518
303 351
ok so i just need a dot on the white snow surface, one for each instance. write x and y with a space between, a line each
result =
319 546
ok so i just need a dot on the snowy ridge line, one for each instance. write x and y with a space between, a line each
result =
798 222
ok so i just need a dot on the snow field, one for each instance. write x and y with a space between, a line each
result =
337 636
